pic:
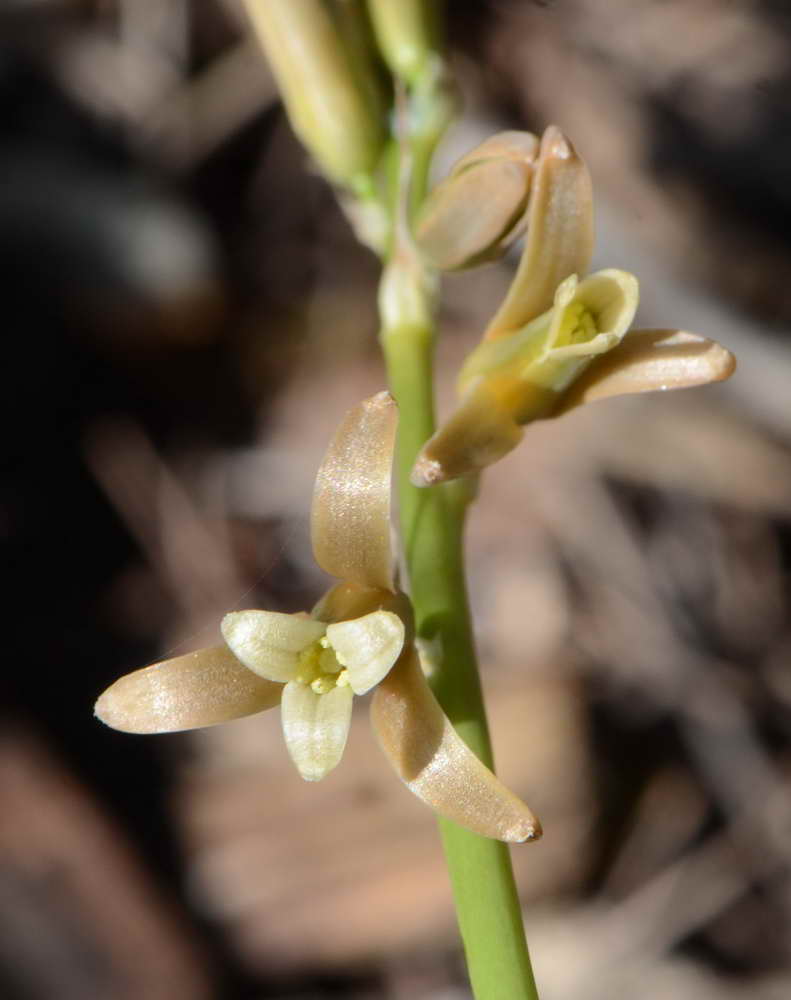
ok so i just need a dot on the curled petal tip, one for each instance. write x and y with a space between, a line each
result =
426 472
555 143
528 833
380 400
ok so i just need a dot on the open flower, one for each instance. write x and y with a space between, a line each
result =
555 341
359 636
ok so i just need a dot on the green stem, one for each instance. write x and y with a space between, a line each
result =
432 523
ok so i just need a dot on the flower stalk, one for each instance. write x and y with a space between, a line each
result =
487 905
432 528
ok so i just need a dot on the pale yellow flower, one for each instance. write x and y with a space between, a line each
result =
358 637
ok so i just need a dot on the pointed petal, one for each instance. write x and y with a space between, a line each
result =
269 643
350 522
368 647
651 361
187 692
435 763
315 727
559 234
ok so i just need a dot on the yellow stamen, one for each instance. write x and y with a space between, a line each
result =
577 327
319 668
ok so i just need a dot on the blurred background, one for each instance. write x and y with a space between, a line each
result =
186 316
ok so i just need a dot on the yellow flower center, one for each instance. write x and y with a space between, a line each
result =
319 669
577 326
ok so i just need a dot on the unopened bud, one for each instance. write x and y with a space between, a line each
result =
407 32
478 211
327 84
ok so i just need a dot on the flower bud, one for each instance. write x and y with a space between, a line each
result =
478 211
327 82
407 34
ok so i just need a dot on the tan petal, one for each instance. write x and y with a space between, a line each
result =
346 600
187 692
651 361
559 234
435 763
350 522
512 144
481 431
469 216
269 643
315 727
368 647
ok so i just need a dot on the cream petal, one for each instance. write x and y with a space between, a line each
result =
435 763
368 647
559 233
350 522
198 689
268 642
612 296
315 727
651 361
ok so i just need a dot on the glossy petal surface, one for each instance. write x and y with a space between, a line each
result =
436 764
368 647
652 361
198 689
559 233
269 643
315 727
474 214
350 521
